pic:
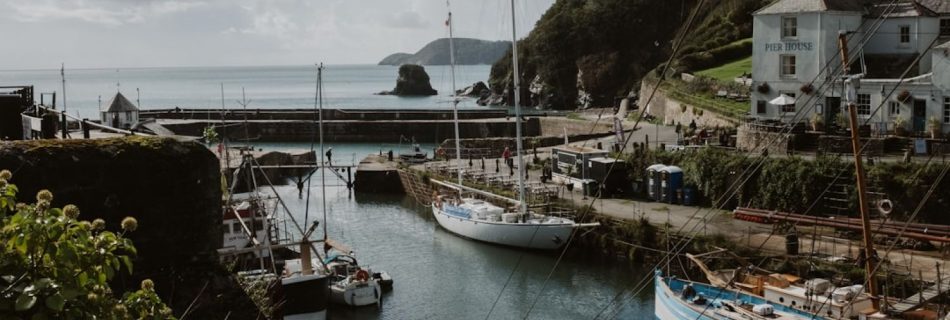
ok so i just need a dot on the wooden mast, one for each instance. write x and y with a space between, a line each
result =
869 257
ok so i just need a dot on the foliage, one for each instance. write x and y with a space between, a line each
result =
53 265
791 184
210 135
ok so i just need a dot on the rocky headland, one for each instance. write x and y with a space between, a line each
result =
413 81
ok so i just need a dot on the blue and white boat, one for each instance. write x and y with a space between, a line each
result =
682 299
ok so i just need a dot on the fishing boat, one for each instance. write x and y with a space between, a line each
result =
460 212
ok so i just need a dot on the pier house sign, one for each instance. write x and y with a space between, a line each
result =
789 46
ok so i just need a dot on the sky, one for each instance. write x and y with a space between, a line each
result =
41 34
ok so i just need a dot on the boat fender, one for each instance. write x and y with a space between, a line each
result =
362 275
885 206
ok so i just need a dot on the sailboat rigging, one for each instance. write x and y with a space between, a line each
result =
481 220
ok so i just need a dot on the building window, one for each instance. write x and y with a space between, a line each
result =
895 108
788 65
760 107
946 110
789 27
945 27
864 104
788 108
905 34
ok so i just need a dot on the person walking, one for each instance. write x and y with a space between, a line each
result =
329 155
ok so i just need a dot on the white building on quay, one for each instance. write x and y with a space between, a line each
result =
795 42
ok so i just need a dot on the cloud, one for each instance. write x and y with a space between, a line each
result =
271 22
407 20
105 12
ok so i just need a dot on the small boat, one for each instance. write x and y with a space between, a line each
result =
414 156
352 284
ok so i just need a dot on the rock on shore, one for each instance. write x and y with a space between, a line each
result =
413 81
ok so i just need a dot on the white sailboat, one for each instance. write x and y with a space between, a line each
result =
480 220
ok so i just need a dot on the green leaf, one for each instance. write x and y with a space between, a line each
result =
55 302
70 293
39 316
25 302
127 262
42 284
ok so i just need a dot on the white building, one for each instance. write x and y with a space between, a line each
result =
121 114
795 42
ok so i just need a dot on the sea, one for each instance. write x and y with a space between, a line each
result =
437 274
263 87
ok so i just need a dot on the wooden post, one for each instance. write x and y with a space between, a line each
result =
869 259
306 265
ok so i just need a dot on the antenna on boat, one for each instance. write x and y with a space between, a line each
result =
244 102
455 99
62 73
323 182
522 207
224 135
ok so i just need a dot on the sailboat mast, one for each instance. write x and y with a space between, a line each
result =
323 180
869 260
455 99
523 208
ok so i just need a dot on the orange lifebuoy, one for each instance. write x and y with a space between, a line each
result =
362 275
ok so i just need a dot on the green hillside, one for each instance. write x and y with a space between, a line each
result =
612 44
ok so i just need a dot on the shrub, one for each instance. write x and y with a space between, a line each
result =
56 266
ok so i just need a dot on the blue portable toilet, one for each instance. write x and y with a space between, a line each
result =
653 181
671 180
689 196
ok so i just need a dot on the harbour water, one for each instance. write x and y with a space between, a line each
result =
441 276
268 87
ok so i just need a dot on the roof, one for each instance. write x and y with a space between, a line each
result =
904 8
120 104
796 6
941 7
579 149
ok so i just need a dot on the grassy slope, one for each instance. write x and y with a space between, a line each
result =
729 71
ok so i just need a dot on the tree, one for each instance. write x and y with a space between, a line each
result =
55 266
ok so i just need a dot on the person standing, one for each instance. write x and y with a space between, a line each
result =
329 155
507 156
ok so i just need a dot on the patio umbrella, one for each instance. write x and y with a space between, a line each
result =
783 100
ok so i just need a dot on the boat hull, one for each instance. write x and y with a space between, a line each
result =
522 235
356 294
305 296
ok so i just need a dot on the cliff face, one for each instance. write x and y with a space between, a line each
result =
174 190
585 53
467 52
